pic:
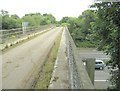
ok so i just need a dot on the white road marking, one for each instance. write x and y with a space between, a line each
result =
100 80
91 53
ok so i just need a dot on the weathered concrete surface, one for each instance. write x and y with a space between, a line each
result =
84 80
63 75
21 64
90 67
60 77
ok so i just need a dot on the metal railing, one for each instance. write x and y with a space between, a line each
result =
12 34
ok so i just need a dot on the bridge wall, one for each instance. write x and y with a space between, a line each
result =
78 75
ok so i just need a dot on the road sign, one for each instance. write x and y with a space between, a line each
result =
24 26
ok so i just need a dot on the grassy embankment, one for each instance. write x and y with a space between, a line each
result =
47 69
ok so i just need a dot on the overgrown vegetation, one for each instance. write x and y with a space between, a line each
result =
46 72
81 29
99 28
107 27
33 19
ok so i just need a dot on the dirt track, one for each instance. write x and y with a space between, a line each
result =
22 63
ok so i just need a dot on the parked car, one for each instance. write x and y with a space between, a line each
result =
99 64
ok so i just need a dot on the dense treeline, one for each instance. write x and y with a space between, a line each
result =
81 28
99 28
34 19
107 27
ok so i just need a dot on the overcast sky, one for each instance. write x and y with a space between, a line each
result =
58 8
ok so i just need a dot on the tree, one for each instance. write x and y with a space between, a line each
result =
36 19
4 13
49 18
9 22
108 29
15 16
64 20
80 28
88 16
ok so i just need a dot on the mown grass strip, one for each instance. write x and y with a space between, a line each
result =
47 69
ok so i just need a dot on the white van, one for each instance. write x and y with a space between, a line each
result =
99 64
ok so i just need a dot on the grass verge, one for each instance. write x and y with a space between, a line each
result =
47 69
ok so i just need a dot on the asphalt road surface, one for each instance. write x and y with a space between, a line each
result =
101 76
21 65
101 79
92 53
